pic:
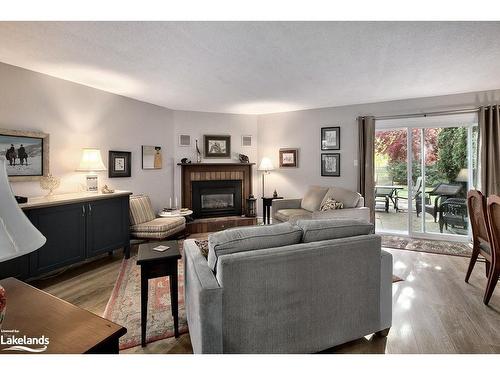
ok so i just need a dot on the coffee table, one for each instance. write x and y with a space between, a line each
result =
158 264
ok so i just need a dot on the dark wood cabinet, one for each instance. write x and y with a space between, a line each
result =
75 232
64 228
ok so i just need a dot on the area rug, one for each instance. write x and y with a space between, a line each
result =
428 246
124 305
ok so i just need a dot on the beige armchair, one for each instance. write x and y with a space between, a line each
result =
145 225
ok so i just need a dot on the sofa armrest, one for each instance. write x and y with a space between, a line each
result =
361 202
203 301
385 290
281 204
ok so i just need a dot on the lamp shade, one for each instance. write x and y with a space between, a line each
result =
266 165
17 235
91 161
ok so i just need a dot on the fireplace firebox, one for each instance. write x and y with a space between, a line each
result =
216 198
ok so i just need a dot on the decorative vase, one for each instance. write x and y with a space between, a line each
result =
3 305
198 153
50 183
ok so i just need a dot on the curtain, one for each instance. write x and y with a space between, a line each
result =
366 162
489 150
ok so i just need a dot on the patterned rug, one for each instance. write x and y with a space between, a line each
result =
124 305
428 246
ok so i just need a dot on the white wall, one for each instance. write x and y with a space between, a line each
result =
77 116
301 129
197 124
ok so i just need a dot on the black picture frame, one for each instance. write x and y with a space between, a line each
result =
326 169
123 168
214 142
326 139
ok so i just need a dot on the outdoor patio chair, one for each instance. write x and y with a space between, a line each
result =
435 197
416 189
453 211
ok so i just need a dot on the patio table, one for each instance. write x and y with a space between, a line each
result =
388 192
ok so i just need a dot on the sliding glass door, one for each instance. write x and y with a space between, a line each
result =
424 168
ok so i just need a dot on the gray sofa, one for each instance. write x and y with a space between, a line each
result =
287 288
309 207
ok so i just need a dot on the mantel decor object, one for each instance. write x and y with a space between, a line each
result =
18 236
198 153
50 183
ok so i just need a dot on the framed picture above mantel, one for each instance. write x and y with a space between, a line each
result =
217 146
26 152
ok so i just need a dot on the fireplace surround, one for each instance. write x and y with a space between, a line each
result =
219 176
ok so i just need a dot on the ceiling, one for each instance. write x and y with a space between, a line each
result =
261 67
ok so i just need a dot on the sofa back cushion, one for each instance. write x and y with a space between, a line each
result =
349 198
250 238
313 198
329 229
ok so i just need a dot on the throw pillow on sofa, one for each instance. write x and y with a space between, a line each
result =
313 198
349 198
250 238
329 229
331 204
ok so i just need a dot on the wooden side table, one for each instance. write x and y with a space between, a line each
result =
158 264
267 202
69 329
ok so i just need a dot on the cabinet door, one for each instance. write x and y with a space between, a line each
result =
64 228
107 225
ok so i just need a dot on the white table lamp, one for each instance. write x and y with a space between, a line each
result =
17 235
91 162
266 165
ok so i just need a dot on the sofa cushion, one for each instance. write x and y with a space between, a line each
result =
349 198
250 238
313 198
329 229
288 213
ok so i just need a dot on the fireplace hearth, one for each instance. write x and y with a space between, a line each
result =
216 198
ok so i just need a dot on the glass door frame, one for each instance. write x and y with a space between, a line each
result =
409 168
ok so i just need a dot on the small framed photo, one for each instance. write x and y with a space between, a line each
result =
119 164
26 152
246 140
184 140
289 157
151 157
217 146
330 165
330 138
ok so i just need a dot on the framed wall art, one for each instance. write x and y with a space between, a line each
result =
119 164
330 165
217 146
26 152
330 138
151 157
289 157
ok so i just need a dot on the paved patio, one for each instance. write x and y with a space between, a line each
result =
393 221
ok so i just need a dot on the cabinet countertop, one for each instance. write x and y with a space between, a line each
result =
61 199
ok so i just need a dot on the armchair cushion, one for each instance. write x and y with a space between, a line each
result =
329 229
160 224
313 198
250 238
349 198
141 209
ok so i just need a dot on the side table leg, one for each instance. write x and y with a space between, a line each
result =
174 302
144 306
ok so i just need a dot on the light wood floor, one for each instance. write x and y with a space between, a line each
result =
434 310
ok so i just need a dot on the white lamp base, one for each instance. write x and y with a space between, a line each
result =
92 183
